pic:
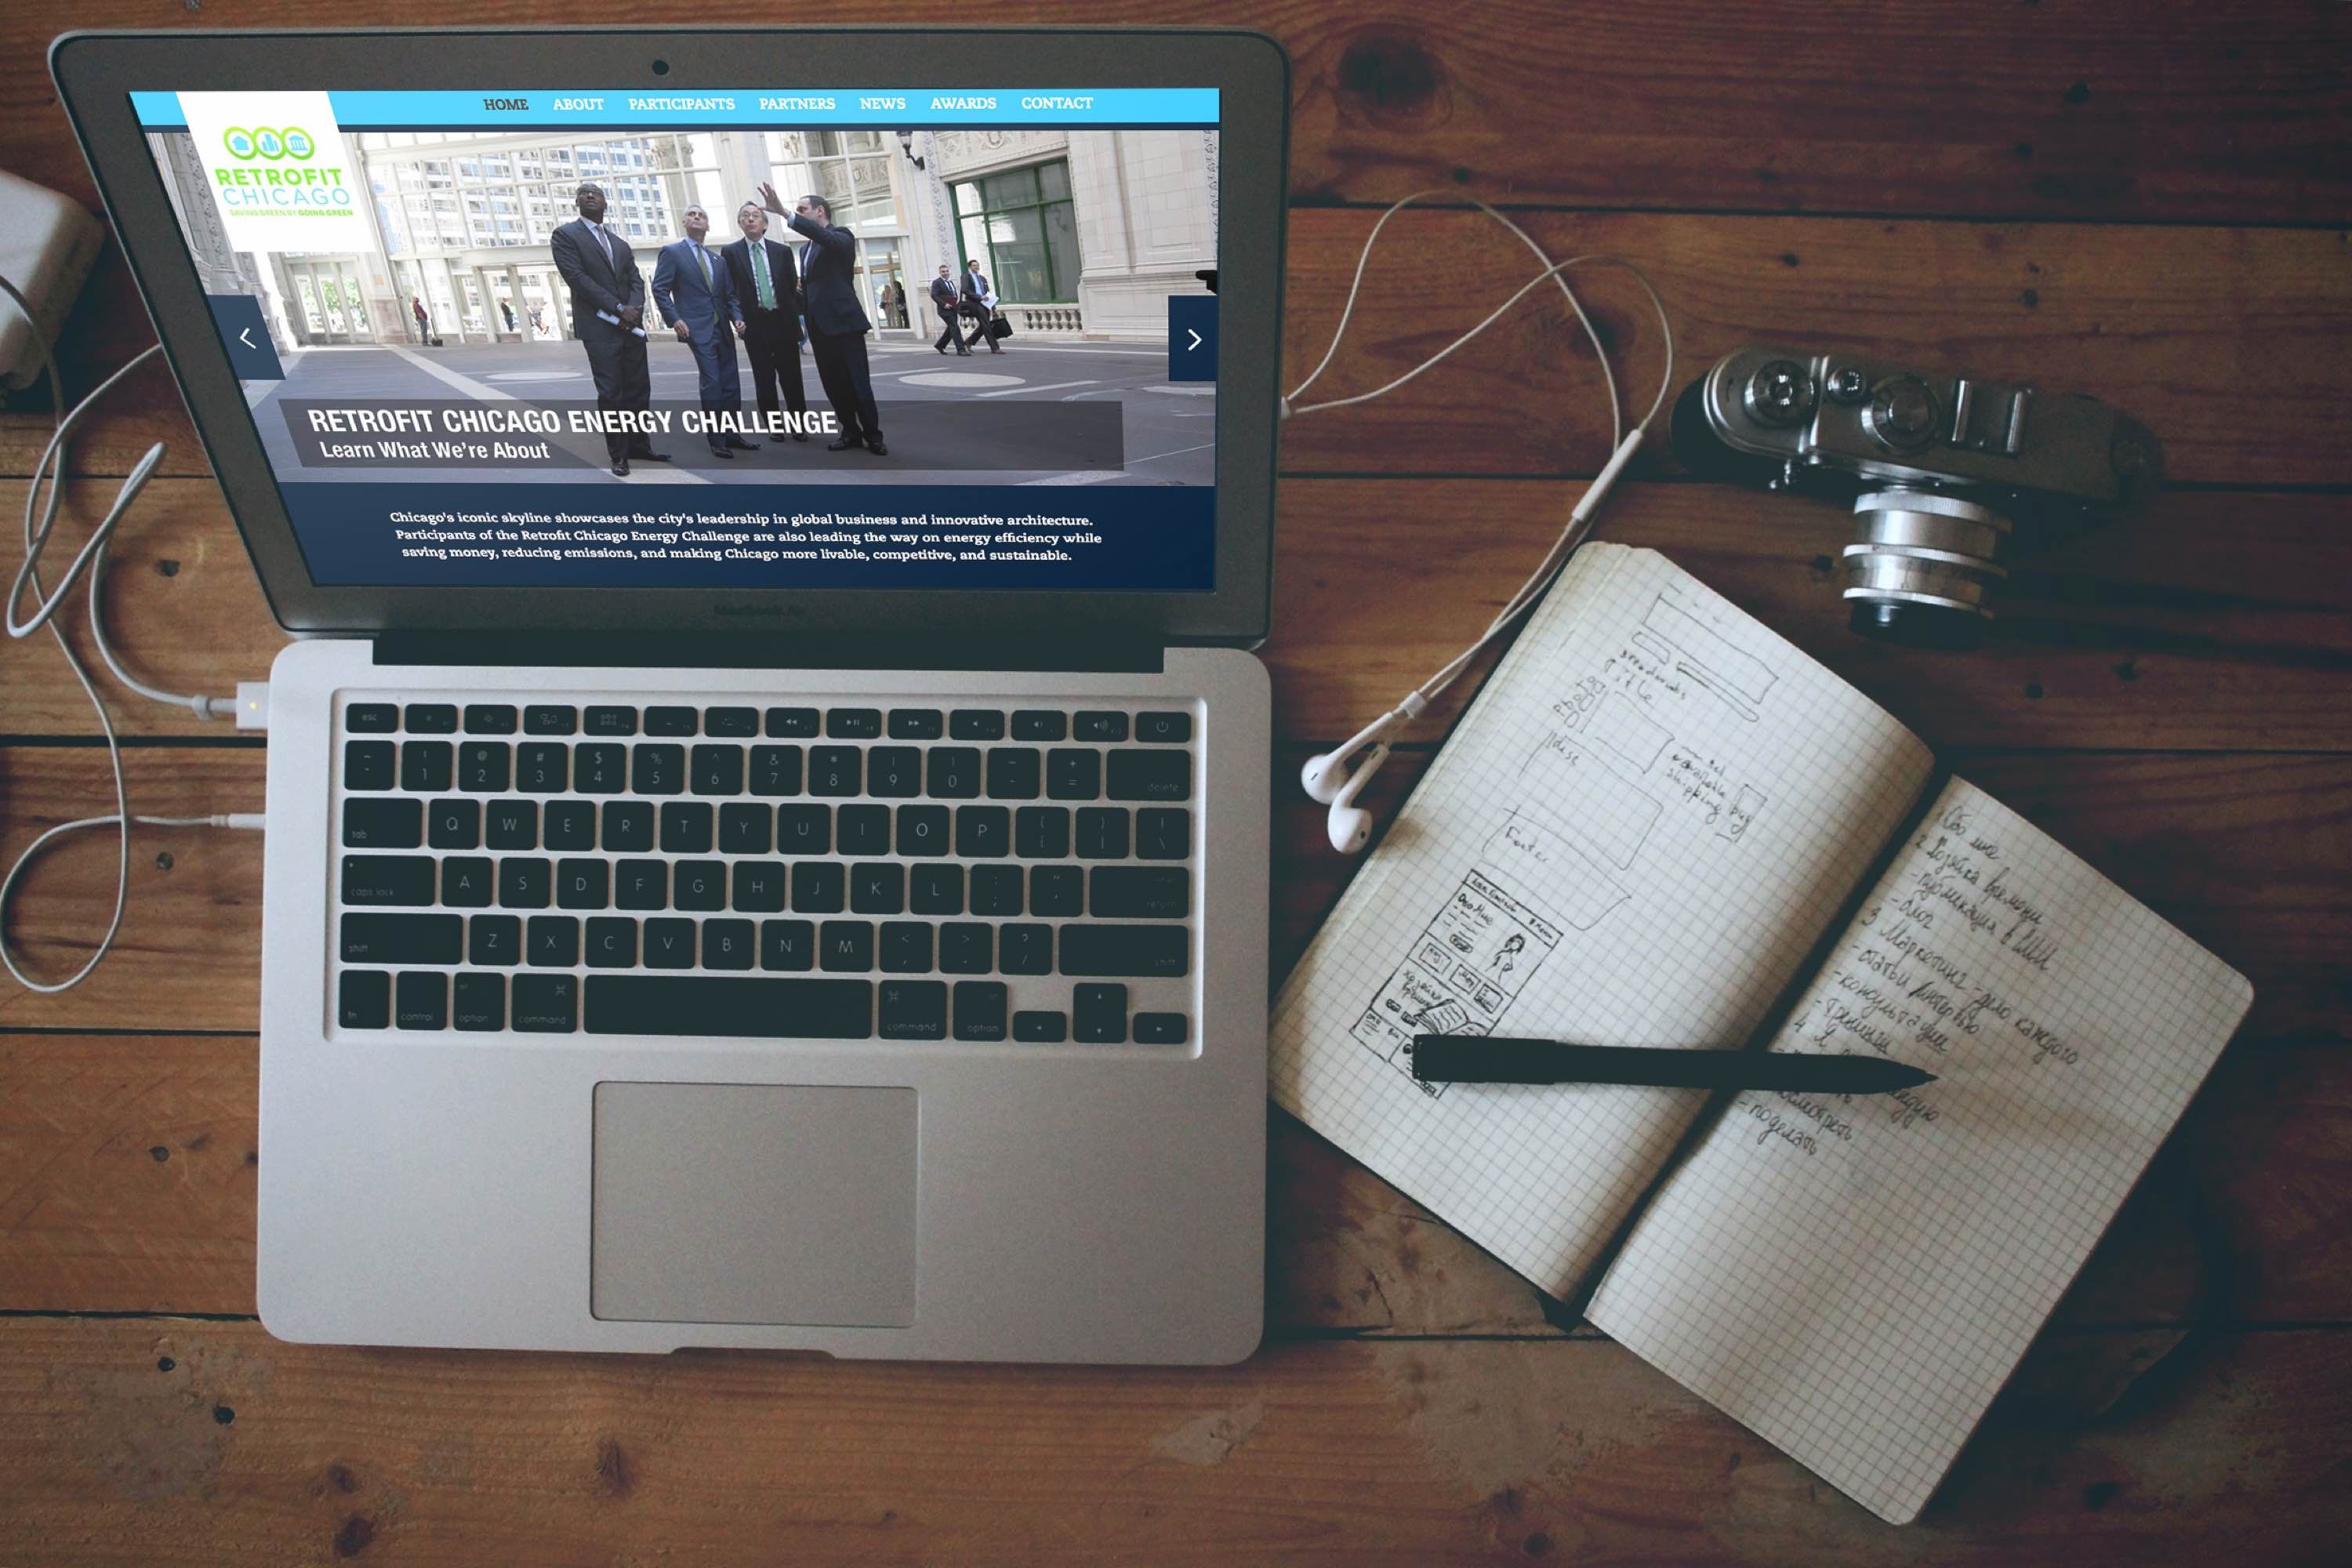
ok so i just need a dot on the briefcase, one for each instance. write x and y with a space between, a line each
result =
999 329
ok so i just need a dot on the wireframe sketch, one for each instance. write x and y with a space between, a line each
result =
1626 730
1580 794
1710 659
1464 969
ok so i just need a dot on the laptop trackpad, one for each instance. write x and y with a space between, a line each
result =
754 1203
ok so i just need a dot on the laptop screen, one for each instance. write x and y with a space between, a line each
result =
773 338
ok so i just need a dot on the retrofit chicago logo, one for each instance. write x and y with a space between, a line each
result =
278 171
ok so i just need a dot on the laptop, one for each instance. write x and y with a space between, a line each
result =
767 804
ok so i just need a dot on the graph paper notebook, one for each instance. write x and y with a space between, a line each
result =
1643 833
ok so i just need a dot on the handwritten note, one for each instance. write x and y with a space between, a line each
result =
1854 1277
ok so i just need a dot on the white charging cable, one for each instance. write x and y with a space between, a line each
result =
1327 778
39 521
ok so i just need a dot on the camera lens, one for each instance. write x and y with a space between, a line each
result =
1922 566
661 68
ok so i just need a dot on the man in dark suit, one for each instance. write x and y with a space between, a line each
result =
767 287
697 299
977 305
608 315
837 323
943 298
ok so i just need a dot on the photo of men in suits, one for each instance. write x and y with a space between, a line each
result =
697 299
608 313
837 323
766 279
980 304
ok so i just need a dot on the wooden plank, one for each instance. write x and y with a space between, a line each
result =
2229 342
2225 112
2217 621
127 1167
212 1443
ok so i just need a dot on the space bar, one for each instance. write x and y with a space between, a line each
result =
729 1004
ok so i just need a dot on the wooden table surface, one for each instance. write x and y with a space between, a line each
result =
2147 204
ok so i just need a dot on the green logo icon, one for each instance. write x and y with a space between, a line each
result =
238 140
270 142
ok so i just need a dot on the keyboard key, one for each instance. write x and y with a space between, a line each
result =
699 885
672 721
1156 950
1041 831
954 772
877 888
363 998
982 832
1058 892
511 825
612 942
936 889
833 769
469 881
914 1010
546 1003
976 724
1100 727
854 723
731 721
745 828
582 884
862 830
669 944
453 823
1160 1028
894 772
1073 776
804 829
750 1005
1014 772
996 891
657 769
554 941
759 888
481 1002
923 829
846 947
686 827
1045 1028
421 1000
600 767
431 719
371 719
612 721
367 765
494 940
718 770
542 767
787 945
400 938
979 1010
572 824
1099 1014
1102 833
1163 728
1025 948
1140 892
791 723
728 945
1151 776
916 724
1163 833
818 887
628 826
1040 724
383 824
404 880
775 770
489 718
965 948
550 719
524 883
426 765
905 947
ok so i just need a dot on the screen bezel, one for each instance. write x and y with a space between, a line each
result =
97 72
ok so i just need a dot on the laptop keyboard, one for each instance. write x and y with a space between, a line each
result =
844 872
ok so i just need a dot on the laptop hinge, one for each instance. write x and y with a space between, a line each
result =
1086 651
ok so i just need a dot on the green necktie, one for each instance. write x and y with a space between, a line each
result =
702 259
759 249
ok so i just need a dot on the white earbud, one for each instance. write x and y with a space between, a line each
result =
1326 776
1351 826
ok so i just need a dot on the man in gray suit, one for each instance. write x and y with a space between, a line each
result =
608 314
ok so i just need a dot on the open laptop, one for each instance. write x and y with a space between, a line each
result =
768 806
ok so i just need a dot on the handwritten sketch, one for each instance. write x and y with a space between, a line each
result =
1565 885
1710 659
1464 969
1584 795
1742 812
1623 729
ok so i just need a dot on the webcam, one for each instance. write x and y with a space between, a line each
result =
661 68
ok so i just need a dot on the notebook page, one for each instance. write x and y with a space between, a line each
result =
1854 1277
1649 816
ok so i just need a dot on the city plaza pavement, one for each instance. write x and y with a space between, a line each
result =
1168 428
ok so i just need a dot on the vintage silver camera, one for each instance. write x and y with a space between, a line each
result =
1939 468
